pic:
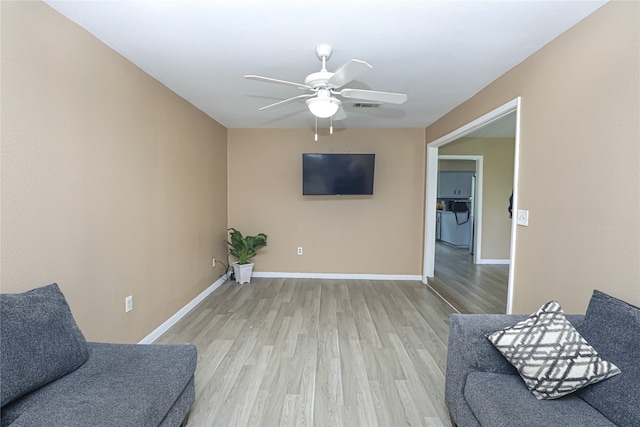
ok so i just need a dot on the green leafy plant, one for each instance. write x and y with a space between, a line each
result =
244 248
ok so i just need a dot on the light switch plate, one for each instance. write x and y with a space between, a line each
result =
523 217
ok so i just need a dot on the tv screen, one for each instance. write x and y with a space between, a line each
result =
337 174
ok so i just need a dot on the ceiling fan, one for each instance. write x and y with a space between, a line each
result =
324 87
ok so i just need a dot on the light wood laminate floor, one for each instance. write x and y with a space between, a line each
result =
307 352
470 288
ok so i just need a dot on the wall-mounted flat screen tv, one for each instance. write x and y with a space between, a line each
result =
337 174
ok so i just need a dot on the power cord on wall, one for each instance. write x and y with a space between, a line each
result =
227 269
230 271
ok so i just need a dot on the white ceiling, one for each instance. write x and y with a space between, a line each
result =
440 53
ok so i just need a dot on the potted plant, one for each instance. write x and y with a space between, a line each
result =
244 248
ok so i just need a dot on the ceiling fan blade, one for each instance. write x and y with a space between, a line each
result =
348 72
340 114
280 82
374 95
285 101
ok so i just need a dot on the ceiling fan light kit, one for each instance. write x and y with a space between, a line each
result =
322 88
323 106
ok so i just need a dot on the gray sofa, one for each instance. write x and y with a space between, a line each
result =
484 389
50 375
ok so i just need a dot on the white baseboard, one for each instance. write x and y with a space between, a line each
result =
182 312
494 261
338 276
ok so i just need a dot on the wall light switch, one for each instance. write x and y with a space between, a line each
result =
299 250
128 304
523 217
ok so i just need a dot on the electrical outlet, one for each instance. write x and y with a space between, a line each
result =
299 250
523 217
213 263
128 304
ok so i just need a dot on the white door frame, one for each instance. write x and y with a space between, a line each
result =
432 189
477 230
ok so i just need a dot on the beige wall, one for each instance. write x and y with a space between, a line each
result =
579 160
112 185
497 158
379 234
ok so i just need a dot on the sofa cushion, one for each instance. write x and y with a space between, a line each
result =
613 327
119 385
550 355
502 400
40 341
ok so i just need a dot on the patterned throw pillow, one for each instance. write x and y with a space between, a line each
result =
552 358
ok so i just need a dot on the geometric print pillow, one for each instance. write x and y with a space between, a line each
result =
552 358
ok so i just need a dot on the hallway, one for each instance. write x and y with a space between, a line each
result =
469 288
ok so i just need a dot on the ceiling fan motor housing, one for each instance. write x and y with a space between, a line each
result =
318 80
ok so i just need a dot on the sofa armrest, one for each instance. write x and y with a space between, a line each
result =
469 350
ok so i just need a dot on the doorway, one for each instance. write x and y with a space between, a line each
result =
510 108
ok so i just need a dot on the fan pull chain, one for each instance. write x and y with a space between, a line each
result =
316 136
331 125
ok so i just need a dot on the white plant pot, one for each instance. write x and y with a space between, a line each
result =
242 272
